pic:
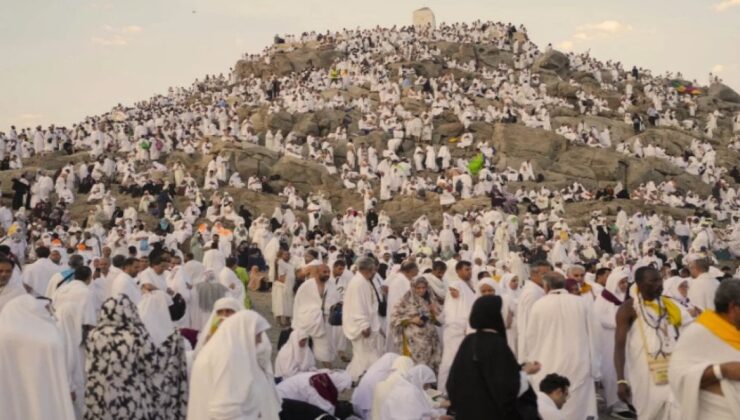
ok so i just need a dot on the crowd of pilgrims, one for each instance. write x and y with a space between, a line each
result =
494 312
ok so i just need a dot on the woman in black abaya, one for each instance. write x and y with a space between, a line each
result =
485 379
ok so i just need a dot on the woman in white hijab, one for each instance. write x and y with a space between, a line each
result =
510 297
32 358
456 311
605 309
488 286
155 314
677 288
170 379
362 397
407 400
230 378
295 356
383 388
222 309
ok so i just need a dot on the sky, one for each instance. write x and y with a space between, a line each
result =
61 60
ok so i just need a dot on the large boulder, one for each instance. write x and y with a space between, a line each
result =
304 175
674 141
492 57
448 130
579 214
640 171
589 164
251 159
724 93
306 125
285 62
552 60
329 119
282 121
515 143
405 209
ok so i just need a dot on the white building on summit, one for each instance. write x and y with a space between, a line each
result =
424 17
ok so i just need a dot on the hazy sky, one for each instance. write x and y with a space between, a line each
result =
63 59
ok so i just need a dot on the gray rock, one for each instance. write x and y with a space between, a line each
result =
724 93
552 60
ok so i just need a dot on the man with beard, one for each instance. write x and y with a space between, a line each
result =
648 325
310 309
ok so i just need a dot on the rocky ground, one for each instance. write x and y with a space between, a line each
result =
560 162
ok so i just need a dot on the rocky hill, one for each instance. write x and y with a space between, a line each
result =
558 160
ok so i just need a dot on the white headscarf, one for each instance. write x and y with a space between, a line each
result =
228 380
670 289
487 282
612 283
400 366
223 303
341 379
420 375
155 315
32 356
457 310
407 399
506 284
362 397
194 270
292 358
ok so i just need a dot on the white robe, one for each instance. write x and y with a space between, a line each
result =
292 358
407 399
651 401
282 292
37 274
362 397
228 278
702 290
382 390
456 313
697 349
605 313
531 293
309 311
215 260
547 409
155 315
74 307
559 335
126 285
149 276
359 313
32 357
229 380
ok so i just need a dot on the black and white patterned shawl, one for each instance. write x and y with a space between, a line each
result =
127 376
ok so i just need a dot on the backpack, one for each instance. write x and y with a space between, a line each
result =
159 145
459 186
335 314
